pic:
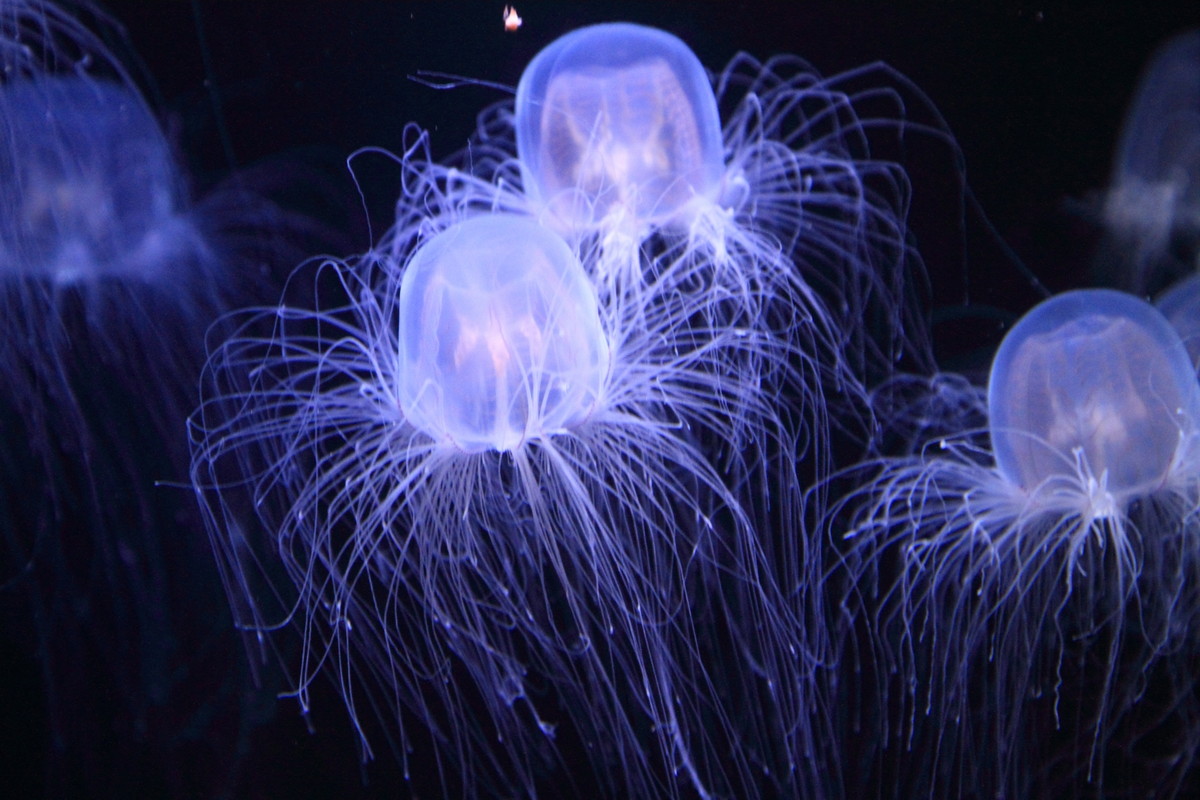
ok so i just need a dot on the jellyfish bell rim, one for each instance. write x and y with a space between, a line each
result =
645 42
1054 314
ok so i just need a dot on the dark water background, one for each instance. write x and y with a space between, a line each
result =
1034 94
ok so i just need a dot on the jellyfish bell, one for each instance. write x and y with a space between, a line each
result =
764 173
617 126
1094 386
1048 553
92 190
517 350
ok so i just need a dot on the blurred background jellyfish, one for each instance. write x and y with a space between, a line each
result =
1151 211
489 486
1034 586
108 280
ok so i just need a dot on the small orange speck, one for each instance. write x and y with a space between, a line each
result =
511 20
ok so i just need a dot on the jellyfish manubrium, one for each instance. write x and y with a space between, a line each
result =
487 496
1048 586
108 280
1152 208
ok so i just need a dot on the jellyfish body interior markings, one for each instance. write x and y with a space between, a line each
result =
492 356
92 186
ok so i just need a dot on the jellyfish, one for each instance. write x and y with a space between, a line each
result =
619 136
785 225
488 497
1033 584
1151 211
109 277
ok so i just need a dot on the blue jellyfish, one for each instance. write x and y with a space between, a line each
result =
95 195
108 279
487 496
1034 583
1151 210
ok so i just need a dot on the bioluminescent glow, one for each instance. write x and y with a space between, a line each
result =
491 357
1069 544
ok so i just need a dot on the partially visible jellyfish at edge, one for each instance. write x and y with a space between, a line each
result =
490 489
1048 582
1151 210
